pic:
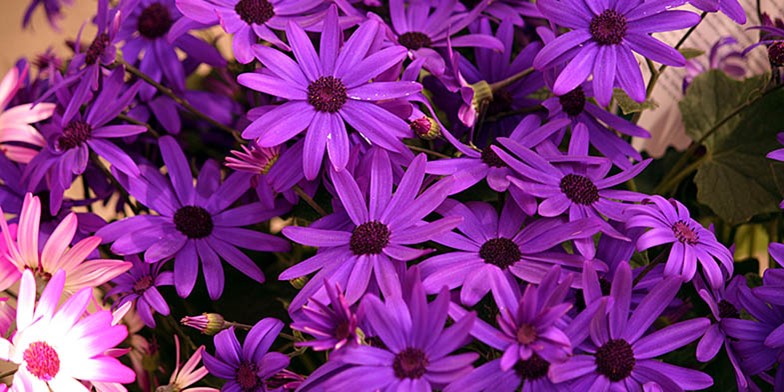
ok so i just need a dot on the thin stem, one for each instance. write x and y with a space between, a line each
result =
508 81
239 325
115 183
134 121
429 152
312 203
671 184
648 268
181 101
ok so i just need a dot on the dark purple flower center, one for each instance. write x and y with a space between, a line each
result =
143 284
75 134
579 189
728 310
502 252
369 238
154 21
342 330
615 359
684 233
608 28
526 334
490 158
533 368
327 94
96 49
501 103
246 376
573 102
410 363
414 40
776 54
42 360
254 11
193 221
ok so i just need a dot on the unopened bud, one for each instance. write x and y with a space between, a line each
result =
206 323
482 93
299 283
426 128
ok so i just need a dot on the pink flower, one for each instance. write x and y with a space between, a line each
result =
188 374
55 347
22 253
15 123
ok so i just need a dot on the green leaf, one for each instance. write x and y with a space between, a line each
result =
628 105
690 53
735 180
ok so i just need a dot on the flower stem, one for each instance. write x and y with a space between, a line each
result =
648 268
181 101
312 203
134 121
429 152
508 81
239 325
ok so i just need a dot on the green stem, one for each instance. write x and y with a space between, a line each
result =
508 81
312 203
426 151
239 325
648 268
664 188
134 121
115 183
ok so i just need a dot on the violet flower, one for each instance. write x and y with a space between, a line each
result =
52 8
194 223
140 287
732 8
327 90
334 326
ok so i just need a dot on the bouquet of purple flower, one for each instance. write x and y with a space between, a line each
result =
413 195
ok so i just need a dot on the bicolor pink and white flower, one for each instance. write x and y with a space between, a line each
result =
188 374
16 123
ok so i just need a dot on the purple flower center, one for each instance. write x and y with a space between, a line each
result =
533 368
501 252
369 238
615 359
501 103
143 284
254 11
246 376
776 54
526 334
579 189
42 361
609 28
684 233
154 21
342 330
75 134
96 49
573 102
414 40
327 94
193 221
490 158
727 310
410 363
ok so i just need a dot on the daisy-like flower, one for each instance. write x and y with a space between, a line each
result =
671 223
415 356
327 90
334 326
603 38
247 367
139 286
187 375
22 253
19 140
55 347
251 20
492 248
732 8
621 352
381 228
193 222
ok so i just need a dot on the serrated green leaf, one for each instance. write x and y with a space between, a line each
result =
735 180
690 53
628 105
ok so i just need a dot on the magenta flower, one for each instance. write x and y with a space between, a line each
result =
19 140
603 38
187 375
334 326
324 90
55 347
194 223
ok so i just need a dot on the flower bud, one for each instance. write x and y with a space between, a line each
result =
206 323
426 128
776 54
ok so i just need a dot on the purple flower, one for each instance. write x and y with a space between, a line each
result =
717 60
334 326
732 8
379 231
193 222
324 90
140 286
70 142
53 9
670 222
602 39
620 355
492 249
251 20
247 367
415 356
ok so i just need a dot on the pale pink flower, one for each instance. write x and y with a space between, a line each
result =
55 347
188 374
23 253
15 123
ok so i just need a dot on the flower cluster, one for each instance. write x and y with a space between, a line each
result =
436 194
